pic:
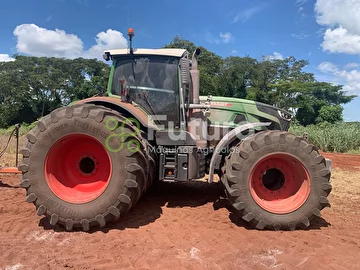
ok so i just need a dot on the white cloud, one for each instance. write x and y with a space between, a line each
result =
234 52
351 65
226 37
37 41
247 14
6 58
300 36
110 39
334 13
342 19
301 12
349 78
275 56
300 2
340 40
327 67
223 38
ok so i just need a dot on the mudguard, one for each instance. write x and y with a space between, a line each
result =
226 140
116 104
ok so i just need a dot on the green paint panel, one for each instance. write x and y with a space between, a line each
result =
233 111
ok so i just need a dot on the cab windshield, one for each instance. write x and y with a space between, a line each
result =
152 82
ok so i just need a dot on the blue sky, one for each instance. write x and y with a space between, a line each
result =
325 32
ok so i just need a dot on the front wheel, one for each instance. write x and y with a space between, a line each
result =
276 180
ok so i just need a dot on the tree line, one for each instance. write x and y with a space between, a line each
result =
279 82
31 87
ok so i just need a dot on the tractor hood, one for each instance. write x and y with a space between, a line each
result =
233 111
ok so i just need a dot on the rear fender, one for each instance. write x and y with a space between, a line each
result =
127 108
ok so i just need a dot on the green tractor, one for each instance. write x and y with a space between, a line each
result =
90 162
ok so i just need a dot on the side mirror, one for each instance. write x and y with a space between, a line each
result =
106 56
185 71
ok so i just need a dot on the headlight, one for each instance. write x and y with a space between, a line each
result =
285 115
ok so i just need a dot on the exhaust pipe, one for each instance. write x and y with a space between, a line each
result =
195 78
197 124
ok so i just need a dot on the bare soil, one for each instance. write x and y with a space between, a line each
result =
344 161
185 226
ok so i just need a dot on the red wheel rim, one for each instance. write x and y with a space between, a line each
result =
77 168
279 183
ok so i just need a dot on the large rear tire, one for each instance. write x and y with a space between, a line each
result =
83 166
276 180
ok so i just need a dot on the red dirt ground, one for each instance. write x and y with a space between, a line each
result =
184 227
344 161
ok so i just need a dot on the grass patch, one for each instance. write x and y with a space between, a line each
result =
340 138
24 128
9 158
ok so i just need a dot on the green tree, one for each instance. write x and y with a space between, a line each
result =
316 95
209 64
34 86
330 114
274 80
279 82
236 76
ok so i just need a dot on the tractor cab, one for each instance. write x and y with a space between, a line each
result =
150 79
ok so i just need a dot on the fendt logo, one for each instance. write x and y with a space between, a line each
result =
220 104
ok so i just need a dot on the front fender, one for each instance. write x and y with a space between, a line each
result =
226 140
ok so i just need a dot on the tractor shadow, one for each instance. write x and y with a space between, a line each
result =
174 195
150 207
168 195
316 224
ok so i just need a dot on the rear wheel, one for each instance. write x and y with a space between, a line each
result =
83 166
276 180
77 168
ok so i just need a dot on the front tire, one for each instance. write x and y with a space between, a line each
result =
83 166
276 180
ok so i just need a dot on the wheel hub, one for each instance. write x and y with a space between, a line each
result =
78 168
273 179
87 165
279 183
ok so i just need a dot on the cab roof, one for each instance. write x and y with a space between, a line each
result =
164 52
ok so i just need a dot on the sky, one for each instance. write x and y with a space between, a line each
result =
324 32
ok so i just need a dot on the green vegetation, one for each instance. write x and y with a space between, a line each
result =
31 87
279 82
24 128
339 137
